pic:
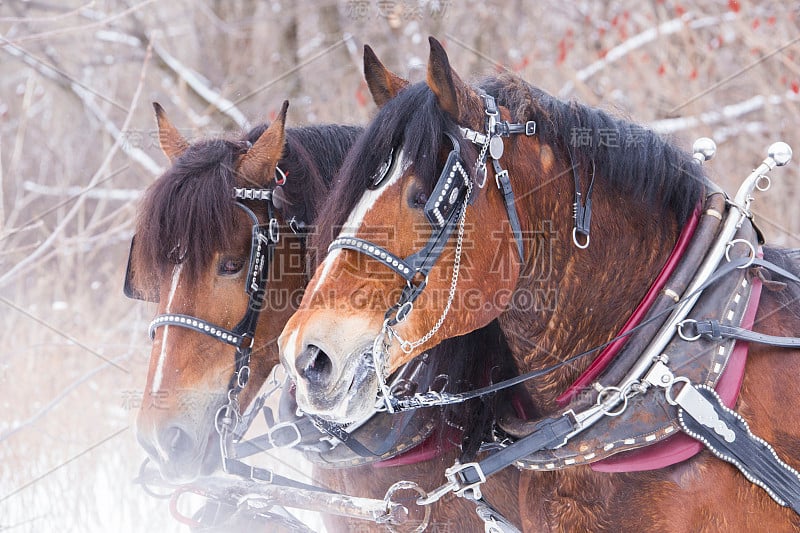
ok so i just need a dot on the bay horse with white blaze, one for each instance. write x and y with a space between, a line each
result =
624 281
199 252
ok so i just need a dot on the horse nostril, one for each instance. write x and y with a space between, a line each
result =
177 442
314 365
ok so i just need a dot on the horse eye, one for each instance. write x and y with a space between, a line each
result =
229 266
417 197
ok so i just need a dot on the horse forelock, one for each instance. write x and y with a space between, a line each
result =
312 157
187 215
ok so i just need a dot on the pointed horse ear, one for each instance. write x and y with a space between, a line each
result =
452 94
172 143
383 84
257 166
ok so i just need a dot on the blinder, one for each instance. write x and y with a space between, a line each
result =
130 289
450 189
442 212
262 236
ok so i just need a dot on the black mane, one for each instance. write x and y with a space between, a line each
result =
641 164
188 214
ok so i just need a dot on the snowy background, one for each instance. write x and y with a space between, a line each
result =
78 146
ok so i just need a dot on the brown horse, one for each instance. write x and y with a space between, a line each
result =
460 252
194 255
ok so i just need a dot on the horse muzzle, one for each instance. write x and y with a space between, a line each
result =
340 389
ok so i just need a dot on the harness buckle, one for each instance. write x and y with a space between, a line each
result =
502 175
289 442
243 376
530 128
457 480
490 105
403 312
274 231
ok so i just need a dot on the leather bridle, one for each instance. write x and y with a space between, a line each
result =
264 238
442 211
444 208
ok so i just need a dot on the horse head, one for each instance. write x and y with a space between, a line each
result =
206 257
404 234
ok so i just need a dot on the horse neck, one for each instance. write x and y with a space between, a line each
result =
582 296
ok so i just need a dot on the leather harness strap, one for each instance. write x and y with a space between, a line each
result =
716 331
728 437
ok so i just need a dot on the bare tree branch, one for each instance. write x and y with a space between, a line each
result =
639 40
85 94
19 426
118 142
200 86
124 195
73 29
728 112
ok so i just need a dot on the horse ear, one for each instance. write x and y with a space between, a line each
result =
383 84
451 92
172 143
262 158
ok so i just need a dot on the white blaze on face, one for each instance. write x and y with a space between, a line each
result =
159 375
358 214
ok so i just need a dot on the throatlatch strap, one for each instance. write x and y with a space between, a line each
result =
504 184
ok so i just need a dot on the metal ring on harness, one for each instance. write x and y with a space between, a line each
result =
243 376
607 390
280 177
480 173
403 312
145 487
752 255
575 239
408 485
274 230
176 514
684 336
223 421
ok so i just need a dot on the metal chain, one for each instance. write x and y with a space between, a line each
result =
409 346
480 164
384 338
